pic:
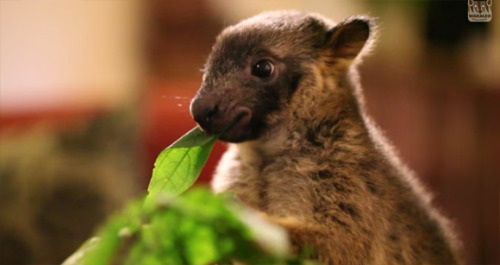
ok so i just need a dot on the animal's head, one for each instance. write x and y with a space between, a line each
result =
256 66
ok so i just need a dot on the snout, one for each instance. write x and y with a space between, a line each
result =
230 120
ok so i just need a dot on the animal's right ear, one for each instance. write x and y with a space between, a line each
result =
347 39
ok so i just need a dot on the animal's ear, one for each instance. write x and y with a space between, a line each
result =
347 39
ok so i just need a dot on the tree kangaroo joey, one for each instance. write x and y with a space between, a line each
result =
303 151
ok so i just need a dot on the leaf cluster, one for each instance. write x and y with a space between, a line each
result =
195 228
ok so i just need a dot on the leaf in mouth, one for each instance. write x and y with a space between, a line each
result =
179 165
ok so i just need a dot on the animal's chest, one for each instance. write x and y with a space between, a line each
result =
278 187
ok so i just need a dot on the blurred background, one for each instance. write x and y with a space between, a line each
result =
92 91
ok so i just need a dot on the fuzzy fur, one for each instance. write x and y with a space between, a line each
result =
316 163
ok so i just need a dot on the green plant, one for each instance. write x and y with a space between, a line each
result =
179 165
195 228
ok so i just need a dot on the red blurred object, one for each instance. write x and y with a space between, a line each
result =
56 117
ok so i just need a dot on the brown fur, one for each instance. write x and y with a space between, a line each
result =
316 164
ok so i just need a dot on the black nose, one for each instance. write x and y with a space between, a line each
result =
214 117
205 112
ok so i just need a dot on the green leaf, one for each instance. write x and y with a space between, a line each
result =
179 165
196 228
83 252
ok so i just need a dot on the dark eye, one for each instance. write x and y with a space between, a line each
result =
263 69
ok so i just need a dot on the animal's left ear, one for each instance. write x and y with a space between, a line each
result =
348 38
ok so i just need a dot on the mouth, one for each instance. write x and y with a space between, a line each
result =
234 125
239 129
